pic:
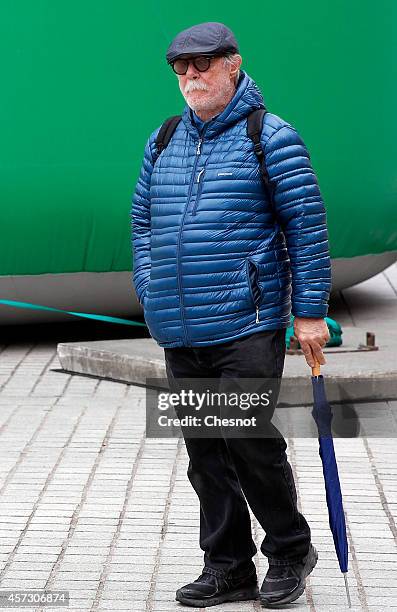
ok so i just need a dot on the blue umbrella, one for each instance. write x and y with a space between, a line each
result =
322 414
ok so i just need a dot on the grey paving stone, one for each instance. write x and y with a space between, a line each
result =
131 544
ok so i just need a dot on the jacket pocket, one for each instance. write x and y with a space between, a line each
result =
253 281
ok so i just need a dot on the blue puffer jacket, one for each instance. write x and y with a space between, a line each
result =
210 263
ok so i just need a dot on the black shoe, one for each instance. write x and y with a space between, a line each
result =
209 590
285 583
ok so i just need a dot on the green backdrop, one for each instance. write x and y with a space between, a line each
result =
84 84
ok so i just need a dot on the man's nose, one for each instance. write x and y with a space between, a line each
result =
192 72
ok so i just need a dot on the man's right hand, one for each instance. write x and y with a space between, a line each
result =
313 334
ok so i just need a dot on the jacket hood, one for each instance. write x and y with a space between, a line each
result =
246 98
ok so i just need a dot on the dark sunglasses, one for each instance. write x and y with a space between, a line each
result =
201 63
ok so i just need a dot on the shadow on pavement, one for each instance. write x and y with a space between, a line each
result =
72 331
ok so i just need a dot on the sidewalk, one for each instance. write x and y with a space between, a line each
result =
88 504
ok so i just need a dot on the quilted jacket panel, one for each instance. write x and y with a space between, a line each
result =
211 263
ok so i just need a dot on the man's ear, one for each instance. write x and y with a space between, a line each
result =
238 61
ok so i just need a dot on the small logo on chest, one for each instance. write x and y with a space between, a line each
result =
225 174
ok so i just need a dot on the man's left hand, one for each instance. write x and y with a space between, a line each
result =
312 334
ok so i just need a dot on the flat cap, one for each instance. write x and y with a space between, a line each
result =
205 38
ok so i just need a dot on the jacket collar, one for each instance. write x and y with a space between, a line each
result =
246 98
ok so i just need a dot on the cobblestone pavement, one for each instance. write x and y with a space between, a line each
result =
89 505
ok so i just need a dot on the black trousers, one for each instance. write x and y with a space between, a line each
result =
227 472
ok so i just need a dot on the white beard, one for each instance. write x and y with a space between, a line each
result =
223 93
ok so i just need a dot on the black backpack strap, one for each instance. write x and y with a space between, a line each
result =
254 132
165 132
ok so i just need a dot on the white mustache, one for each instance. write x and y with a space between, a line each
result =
195 85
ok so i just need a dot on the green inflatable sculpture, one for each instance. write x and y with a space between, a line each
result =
84 85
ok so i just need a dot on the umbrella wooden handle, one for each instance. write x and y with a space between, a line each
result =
316 368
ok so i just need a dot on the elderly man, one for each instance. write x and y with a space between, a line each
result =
219 262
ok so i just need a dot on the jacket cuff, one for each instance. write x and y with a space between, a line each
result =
310 310
142 297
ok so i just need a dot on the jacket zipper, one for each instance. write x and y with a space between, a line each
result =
199 190
198 151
